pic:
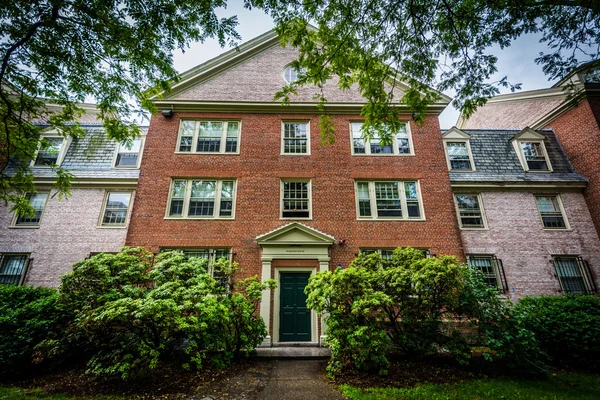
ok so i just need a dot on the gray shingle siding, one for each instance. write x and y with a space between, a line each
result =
496 160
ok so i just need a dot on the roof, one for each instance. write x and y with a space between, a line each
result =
496 160
247 78
90 158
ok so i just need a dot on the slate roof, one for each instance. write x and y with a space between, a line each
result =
90 157
496 160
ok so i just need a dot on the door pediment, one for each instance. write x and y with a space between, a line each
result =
297 234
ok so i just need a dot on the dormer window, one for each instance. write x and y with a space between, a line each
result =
531 151
535 156
128 154
51 152
458 150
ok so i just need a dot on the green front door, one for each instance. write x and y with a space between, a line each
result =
294 315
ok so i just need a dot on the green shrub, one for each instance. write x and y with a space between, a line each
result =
567 327
132 312
408 304
28 315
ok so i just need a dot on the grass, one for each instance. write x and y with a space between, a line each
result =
557 386
12 393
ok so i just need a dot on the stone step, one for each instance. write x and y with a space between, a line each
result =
303 353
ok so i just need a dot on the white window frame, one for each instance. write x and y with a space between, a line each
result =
470 154
25 267
281 191
305 123
64 146
187 195
107 193
481 210
561 209
16 215
195 136
289 67
528 135
395 152
403 202
126 151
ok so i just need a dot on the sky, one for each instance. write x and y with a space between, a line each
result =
516 61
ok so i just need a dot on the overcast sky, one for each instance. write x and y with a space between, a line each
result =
516 62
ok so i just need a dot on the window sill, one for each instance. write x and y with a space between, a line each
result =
538 171
475 229
190 153
24 227
199 219
292 218
123 167
392 219
294 154
557 229
384 155
462 170
111 227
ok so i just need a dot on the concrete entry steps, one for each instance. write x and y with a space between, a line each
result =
292 352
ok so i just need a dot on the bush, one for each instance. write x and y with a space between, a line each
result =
27 316
408 304
566 327
132 312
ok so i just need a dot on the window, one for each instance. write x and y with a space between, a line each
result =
211 255
401 144
209 137
38 202
386 254
128 154
295 198
51 151
202 198
13 268
388 200
459 156
551 212
535 156
116 205
470 213
291 74
573 274
489 267
296 138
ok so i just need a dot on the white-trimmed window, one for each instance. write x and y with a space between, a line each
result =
296 199
38 202
128 154
459 156
401 142
13 267
115 209
470 211
291 74
51 151
535 156
387 254
295 138
489 267
551 212
573 274
388 200
212 137
202 198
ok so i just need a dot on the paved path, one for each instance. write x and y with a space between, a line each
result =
276 380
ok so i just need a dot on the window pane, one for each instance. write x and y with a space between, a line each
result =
187 133
38 202
570 276
364 202
48 153
534 155
412 200
177 196
209 137
376 147
458 154
232 137
388 199
295 200
115 212
226 209
133 147
127 160
295 139
469 211
550 212
403 141
358 142
12 268
202 198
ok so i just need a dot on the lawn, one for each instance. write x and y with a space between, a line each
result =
12 393
557 386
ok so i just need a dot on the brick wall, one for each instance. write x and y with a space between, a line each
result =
68 233
258 169
579 135
516 237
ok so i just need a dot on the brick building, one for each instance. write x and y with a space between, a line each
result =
38 250
523 217
575 123
228 171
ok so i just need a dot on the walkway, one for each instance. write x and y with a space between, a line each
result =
277 380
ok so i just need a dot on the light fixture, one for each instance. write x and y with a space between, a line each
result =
167 113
